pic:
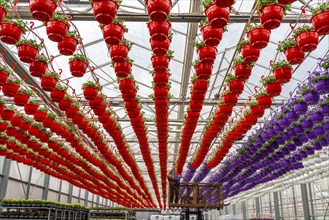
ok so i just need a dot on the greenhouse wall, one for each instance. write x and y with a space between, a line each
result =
19 181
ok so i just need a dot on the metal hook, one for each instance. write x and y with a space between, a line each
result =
256 89
31 25
60 71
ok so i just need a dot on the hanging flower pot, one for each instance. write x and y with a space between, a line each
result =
4 8
257 111
259 36
225 110
158 9
198 96
282 71
69 44
195 106
206 54
31 107
316 116
57 27
27 50
11 31
49 81
39 66
160 78
321 84
307 38
300 107
286 2
22 97
159 31
160 48
41 114
273 88
324 108
90 90
264 100
105 10
236 85
271 15
310 95
249 54
203 70
119 53
8 113
10 88
78 65
126 84
320 19
48 122
242 69
160 63
42 10
4 74
65 104
217 16
123 69
212 36
230 99
294 55
73 111
113 32
58 93
200 86
224 3
161 91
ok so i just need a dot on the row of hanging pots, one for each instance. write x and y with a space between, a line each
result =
294 134
113 32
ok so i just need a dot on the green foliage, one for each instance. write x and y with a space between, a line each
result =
4 4
268 79
260 94
206 3
26 92
324 102
306 89
14 81
10 108
170 54
279 64
42 58
230 77
253 104
29 42
238 60
51 115
61 87
52 74
262 3
79 57
196 62
59 17
91 84
33 102
325 63
5 69
72 34
127 43
18 22
319 78
120 21
253 26
283 45
241 44
199 44
322 7
302 29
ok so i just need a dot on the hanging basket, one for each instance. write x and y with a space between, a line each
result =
271 16
257 111
308 41
126 85
236 86
161 92
207 54
123 69
57 95
67 46
38 68
112 33
158 9
48 83
27 53
274 89
264 101
217 16
242 71
294 55
160 48
283 74
90 92
3 13
259 37
42 10
31 109
161 78
249 53
211 36
78 68
10 33
320 22
48 122
200 86
56 30
40 116
21 99
119 53
7 114
230 99
160 63
159 31
203 70
65 104
105 11
10 89
3 78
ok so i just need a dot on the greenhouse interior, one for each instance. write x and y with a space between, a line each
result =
164 109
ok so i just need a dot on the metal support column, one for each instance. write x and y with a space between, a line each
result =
60 190
311 200
28 188
69 198
86 198
45 187
294 200
257 206
79 199
281 204
97 201
276 205
5 178
226 210
305 200
92 201
244 210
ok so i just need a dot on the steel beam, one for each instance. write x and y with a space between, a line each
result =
257 206
276 205
5 178
60 191
86 198
244 210
69 198
174 17
28 187
305 201
311 200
